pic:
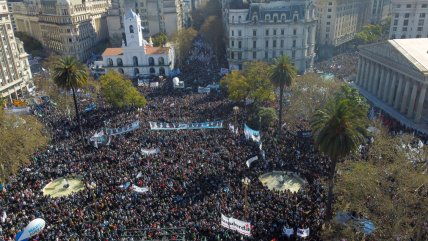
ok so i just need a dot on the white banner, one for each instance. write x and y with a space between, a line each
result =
139 189
117 131
148 152
185 126
303 232
287 231
237 225
251 160
204 90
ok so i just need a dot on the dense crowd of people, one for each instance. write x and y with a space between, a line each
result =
342 65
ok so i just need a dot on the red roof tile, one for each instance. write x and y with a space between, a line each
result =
113 52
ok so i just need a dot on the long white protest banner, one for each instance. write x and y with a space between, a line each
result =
251 160
118 131
148 152
185 126
139 189
241 227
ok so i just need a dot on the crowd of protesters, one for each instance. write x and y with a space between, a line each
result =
342 65
194 178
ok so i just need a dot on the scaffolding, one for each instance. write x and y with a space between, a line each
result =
154 234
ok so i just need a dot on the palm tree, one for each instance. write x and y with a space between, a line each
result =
338 129
282 76
70 74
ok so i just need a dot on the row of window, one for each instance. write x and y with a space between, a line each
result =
274 44
424 5
275 18
151 71
421 22
407 15
404 29
267 32
238 55
119 61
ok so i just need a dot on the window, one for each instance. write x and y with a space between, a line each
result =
328 16
254 44
274 32
239 33
418 36
266 54
282 43
397 15
135 60
420 28
282 31
424 6
267 32
233 33
151 61
267 18
329 10
275 19
254 32
119 62
274 43
394 28
405 22
131 29
239 55
267 44
421 22
408 5
330 3
294 43
254 55
422 15
395 22
239 19
327 29
283 18
232 44
293 54
328 23
407 15
404 29
232 55
398 5
239 44
294 31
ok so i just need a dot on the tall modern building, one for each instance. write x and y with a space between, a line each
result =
15 74
338 22
266 30
409 19
157 16
68 27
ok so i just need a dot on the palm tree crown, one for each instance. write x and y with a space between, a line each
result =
69 74
283 72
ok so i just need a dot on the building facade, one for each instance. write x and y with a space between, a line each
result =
338 22
409 19
394 76
380 11
264 31
137 56
67 27
15 73
157 16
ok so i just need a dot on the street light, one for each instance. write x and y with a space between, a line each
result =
236 111
246 182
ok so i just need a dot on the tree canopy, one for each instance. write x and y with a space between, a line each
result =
20 137
183 40
159 39
370 34
252 82
119 91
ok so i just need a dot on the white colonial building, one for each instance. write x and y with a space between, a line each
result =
409 19
266 30
393 75
137 56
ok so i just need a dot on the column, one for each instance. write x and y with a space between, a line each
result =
398 97
367 70
405 95
374 79
412 99
392 88
420 104
359 70
381 84
387 84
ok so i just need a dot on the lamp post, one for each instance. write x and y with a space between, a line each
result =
236 111
246 182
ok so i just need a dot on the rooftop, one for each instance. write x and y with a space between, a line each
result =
112 52
156 50
415 50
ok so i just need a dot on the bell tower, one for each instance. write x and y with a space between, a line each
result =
133 29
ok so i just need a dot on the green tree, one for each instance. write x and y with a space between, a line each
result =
338 131
20 137
159 39
252 82
31 44
119 91
183 40
370 34
282 76
263 119
70 74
